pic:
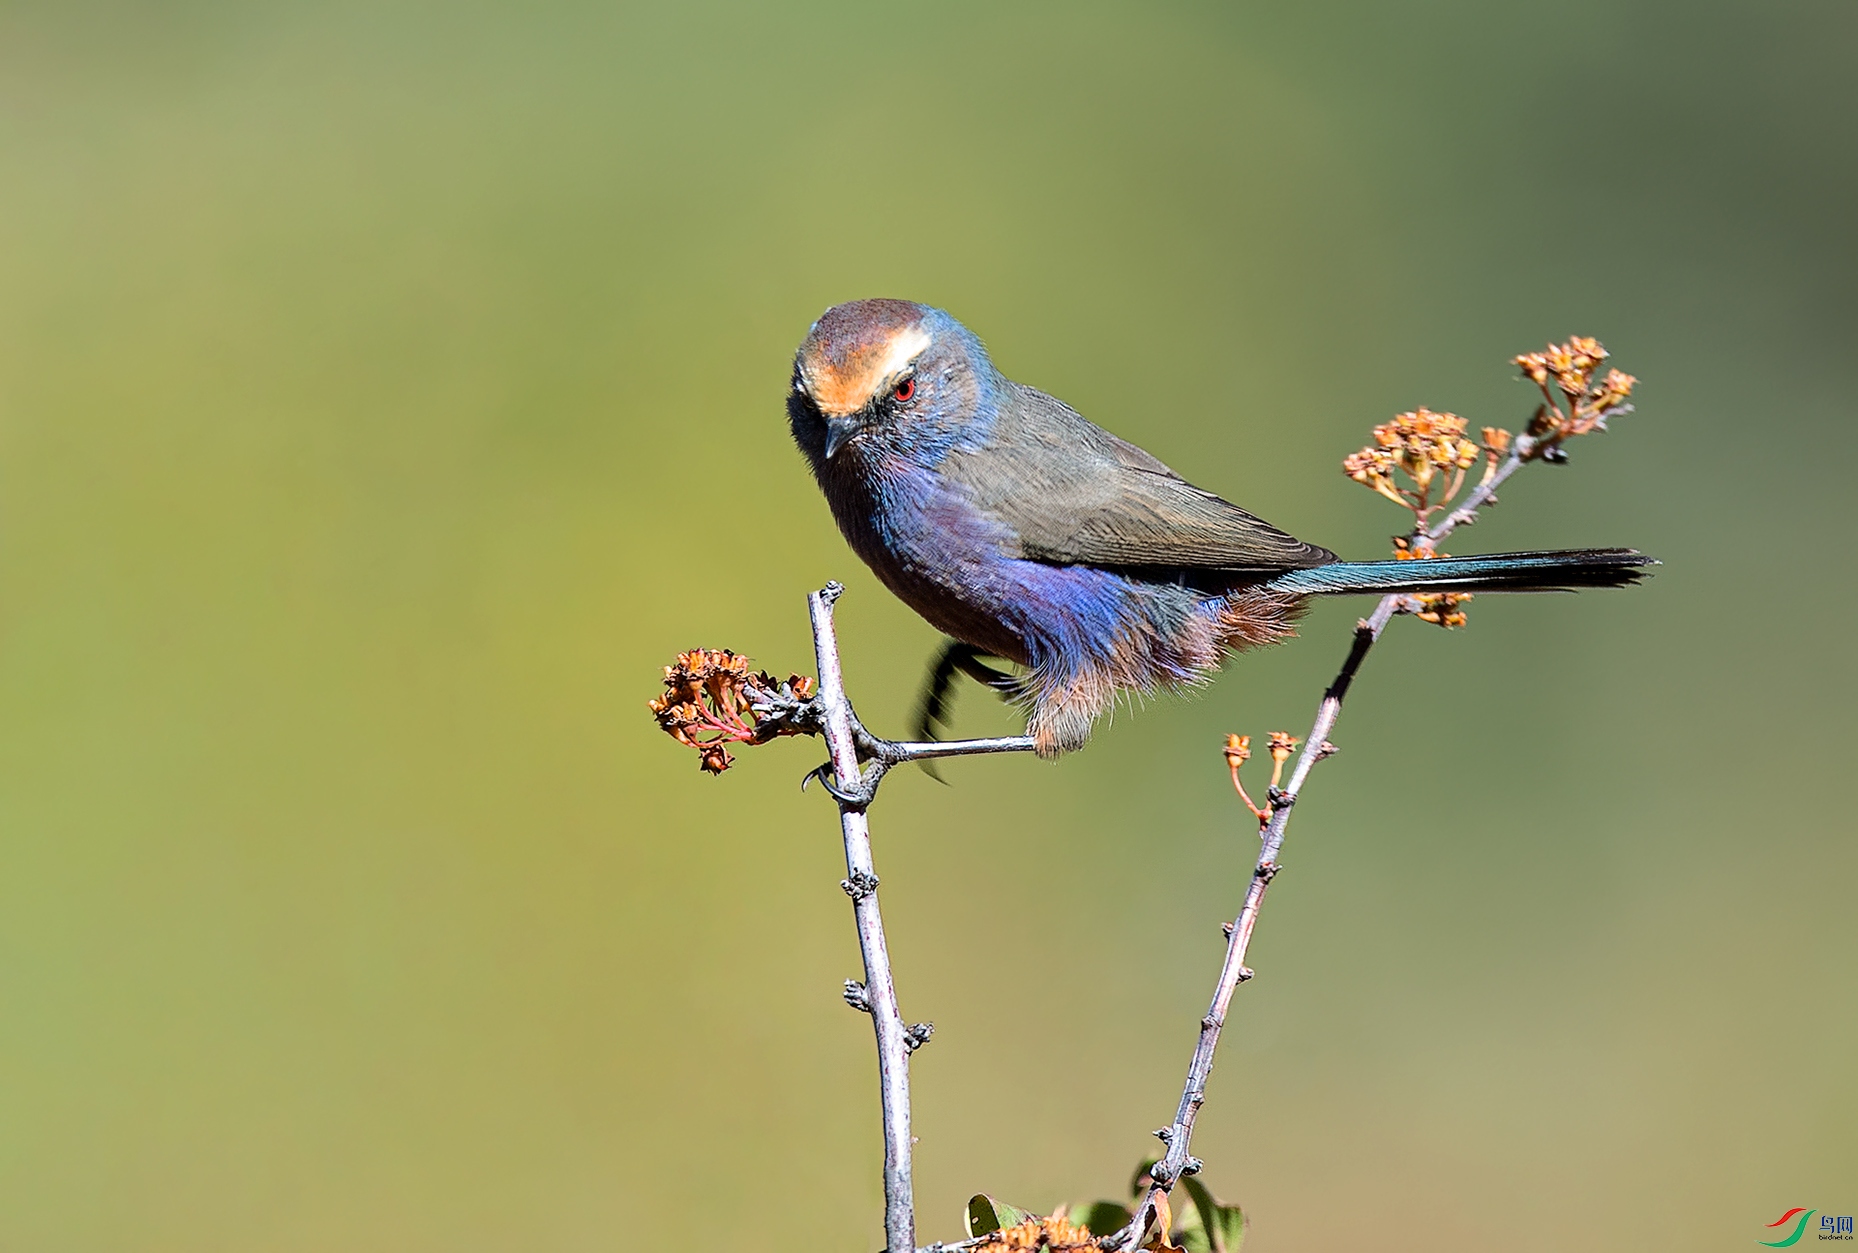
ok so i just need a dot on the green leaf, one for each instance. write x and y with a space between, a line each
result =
986 1215
1220 1228
1100 1218
1190 1231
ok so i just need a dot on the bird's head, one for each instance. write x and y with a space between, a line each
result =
887 370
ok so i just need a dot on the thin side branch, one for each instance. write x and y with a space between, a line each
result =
900 751
1178 1160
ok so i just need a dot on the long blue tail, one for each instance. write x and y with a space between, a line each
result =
1501 572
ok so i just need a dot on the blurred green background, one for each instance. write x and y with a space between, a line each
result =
388 390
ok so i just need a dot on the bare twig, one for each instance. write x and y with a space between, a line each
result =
1178 1135
1521 450
893 1053
854 789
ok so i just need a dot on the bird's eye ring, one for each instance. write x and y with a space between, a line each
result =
906 389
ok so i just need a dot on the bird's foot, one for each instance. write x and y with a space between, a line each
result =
878 755
875 748
881 753
856 797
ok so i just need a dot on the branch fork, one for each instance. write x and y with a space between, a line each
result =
883 754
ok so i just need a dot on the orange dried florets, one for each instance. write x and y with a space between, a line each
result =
1419 459
1429 448
1056 1234
1588 403
711 701
1442 608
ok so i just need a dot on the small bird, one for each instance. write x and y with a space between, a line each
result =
1026 532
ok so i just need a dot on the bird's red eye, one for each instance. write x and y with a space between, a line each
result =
906 389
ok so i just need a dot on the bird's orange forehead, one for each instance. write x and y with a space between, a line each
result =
856 350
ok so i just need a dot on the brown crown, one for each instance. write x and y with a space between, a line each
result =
856 350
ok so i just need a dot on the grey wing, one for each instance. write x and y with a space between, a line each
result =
1077 495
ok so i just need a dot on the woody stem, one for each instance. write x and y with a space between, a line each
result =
880 988
1178 1136
847 739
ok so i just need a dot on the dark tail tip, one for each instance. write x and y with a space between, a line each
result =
1565 571
1578 568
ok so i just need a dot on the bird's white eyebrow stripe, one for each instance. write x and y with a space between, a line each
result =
905 346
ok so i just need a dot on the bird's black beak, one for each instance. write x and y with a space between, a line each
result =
838 430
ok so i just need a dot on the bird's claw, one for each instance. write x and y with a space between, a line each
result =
881 753
858 797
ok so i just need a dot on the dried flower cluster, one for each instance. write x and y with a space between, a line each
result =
713 699
1420 459
1038 1235
1429 449
1239 751
1441 608
1589 403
